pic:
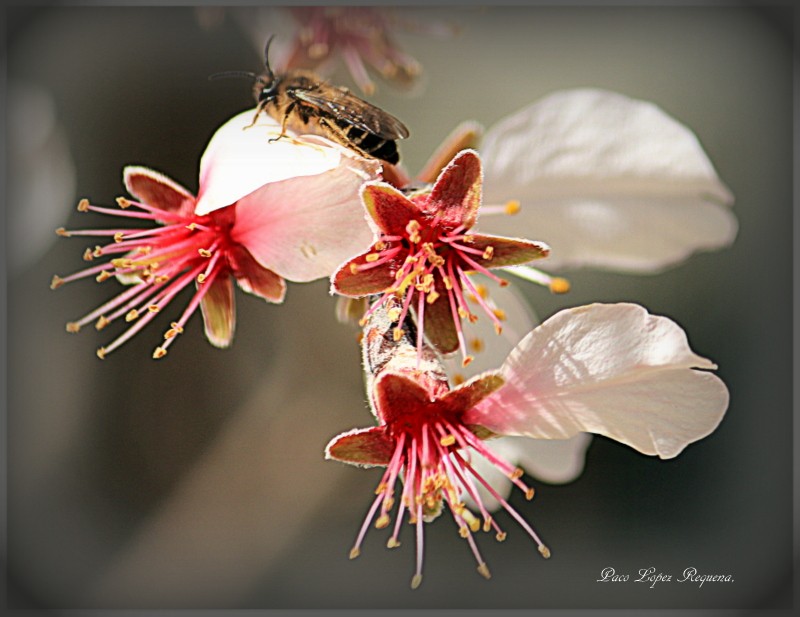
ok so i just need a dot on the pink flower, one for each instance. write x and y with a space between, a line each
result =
266 211
361 37
609 369
425 251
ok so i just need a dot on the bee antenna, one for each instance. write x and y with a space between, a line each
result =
225 74
266 56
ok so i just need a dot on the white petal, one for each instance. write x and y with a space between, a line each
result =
240 158
556 461
606 181
610 369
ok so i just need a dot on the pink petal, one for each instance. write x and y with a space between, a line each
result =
219 313
506 251
366 446
457 192
304 228
240 158
469 394
440 329
395 395
610 369
157 190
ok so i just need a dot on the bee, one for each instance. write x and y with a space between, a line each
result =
305 103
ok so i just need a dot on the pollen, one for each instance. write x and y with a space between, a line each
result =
397 334
102 322
62 232
101 353
191 226
353 269
483 569
83 205
501 536
447 440
123 203
392 543
512 207
154 308
372 257
559 285
73 327
517 473
433 296
394 313
380 245
488 253
201 278
204 253
529 494
56 282
383 521
118 237
132 314
159 353
544 551
88 255
412 229
103 276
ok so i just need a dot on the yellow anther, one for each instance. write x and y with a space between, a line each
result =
177 327
458 379
123 203
204 253
463 313
154 308
503 283
132 314
500 314
397 334
88 255
73 327
103 276
412 229
118 237
162 278
98 251
380 245
512 207
101 353
381 488
83 205
159 353
62 232
473 522
201 278
482 290
433 296
372 257
463 531
529 494
466 361
383 521
122 263
171 333
517 473
498 329
501 536
448 283
487 524
484 571
392 543
102 322
56 282
559 285
488 252
416 581
544 551
447 440
394 313
354 552
477 345
469 239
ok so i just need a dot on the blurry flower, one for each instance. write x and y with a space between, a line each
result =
41 173
607 181
267 210
361 37
425 251
611 369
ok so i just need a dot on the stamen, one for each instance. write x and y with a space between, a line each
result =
83 205
512 207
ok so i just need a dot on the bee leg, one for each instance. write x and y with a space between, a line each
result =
283 123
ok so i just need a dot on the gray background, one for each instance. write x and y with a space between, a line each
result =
199 482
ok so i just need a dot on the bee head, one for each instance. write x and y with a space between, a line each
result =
265 88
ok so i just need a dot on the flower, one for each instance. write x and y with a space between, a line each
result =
610 369
607 181
424 252
267 210
361 37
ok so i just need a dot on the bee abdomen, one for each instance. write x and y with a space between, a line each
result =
369 143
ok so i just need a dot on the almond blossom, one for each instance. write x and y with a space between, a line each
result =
425 250
610 369
268 210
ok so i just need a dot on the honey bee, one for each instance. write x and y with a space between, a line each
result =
305 103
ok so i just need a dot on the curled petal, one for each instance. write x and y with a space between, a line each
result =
457 192
610 369
362 282
255 279
244 155
389 208
157 190
506 251
606 181
219 312
303 228
367 447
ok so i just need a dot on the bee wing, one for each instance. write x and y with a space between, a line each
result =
345 106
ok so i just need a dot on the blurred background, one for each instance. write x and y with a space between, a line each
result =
199 481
